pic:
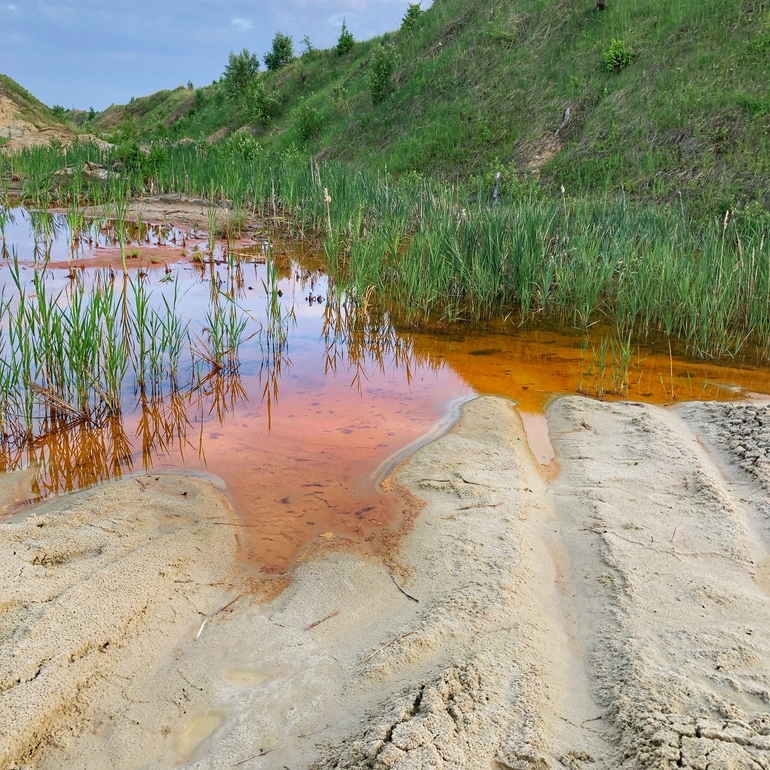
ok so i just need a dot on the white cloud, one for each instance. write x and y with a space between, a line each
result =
8 7
242 25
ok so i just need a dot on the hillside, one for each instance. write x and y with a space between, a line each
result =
479 86
26 122
29 109
20 112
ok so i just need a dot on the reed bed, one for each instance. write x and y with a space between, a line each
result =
73 356
437 254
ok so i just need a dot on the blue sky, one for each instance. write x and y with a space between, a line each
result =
83 53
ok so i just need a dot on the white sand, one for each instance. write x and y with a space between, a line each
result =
617 617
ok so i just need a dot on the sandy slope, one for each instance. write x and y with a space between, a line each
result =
24 134
95 589
617 617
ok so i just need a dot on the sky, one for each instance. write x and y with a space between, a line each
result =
93 53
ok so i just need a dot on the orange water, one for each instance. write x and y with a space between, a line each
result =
303 439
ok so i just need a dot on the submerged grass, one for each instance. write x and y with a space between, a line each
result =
72 356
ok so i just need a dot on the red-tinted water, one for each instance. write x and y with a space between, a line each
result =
302 438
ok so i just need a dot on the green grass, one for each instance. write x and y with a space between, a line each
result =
481 86
72 356
438 254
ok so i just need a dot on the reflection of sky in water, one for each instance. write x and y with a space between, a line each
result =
38 235
297 433
300 430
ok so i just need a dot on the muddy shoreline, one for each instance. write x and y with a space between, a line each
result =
615 616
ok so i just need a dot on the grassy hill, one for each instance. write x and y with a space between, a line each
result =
482 85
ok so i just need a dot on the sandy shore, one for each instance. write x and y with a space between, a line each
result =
617 616
176 210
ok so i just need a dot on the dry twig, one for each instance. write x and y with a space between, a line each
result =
408 596
385 646
323 620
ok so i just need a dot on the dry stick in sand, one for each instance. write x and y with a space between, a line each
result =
323 620
253 756
218 612
480 505
385 646
408 596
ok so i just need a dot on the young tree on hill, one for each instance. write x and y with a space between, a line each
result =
282 52
412 17
240 72
346 41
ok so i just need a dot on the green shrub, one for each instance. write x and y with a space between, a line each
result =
155 159
346 41
239 74
307 120
200 99
243 144
130 154
617 56
339 94
381 69
411 17
262 103
281 53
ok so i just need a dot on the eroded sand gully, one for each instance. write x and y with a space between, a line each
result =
617 616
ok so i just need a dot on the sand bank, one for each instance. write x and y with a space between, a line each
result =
615 617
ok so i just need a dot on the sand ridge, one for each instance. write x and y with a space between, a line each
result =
617 616
95 587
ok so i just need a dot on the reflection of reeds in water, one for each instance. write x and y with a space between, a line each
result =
71 354
362 339
605 367
71 456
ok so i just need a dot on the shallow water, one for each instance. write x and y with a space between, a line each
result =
305 430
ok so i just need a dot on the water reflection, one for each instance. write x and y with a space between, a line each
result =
295 394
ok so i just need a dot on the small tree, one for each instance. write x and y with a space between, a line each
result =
58 111
346 41
240 72
91 113
308 45
411 17
282 52
381 70
263 103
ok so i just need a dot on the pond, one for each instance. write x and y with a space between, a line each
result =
315 403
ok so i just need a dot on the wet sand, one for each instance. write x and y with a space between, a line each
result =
615 615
